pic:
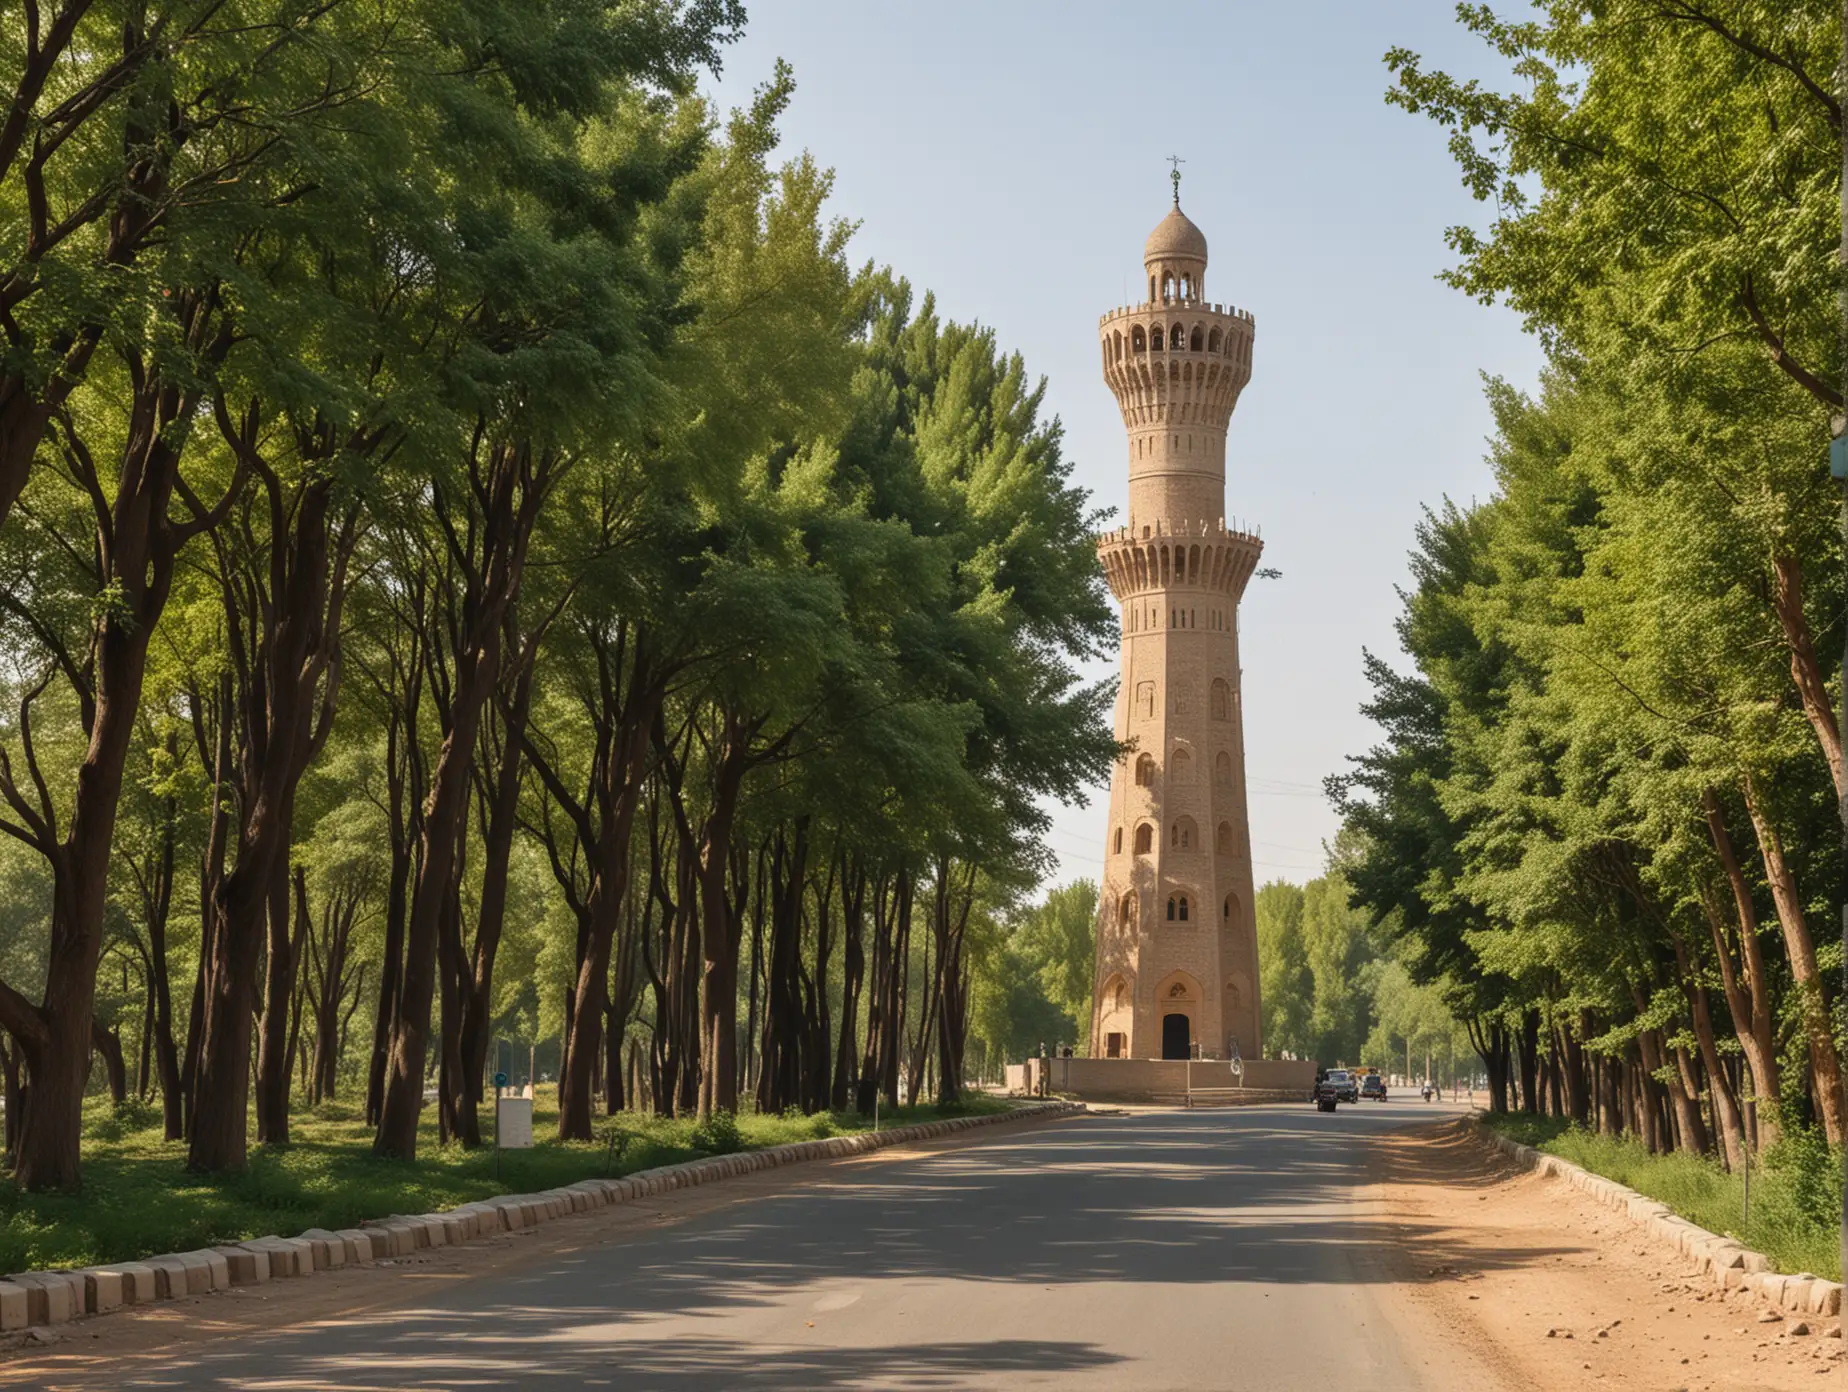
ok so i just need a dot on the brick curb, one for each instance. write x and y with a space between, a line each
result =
35 1298
1723 1261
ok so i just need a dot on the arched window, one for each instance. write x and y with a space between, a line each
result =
1151 287
1177 338
1118 847
1145 839
1180 767
1145 697
1222 699
1181 835
1137 343
1177 908
1145 771
1155 338
1198 341
1126 910
1230 910
1212 341
1167 287
1222 839
1222 771
1116 345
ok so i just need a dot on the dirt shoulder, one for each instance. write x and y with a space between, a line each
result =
73 1354
1562 1293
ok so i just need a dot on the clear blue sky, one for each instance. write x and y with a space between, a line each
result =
1010 156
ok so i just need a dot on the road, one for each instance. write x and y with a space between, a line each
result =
1212 1249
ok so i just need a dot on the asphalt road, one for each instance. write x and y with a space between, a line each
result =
1209 1249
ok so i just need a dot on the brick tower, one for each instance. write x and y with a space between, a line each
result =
1177 965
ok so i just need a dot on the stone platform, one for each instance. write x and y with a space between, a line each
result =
1162 1080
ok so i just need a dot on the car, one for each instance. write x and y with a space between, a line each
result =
1326 1094
1374 1086
1345 1087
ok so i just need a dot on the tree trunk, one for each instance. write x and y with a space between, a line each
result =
160 989
721 928
54 1036
1726 1115
283 955
1805 668
288 700
1530 1062
1800 947
952 979
619 800
507 485
108 1043
452 967
497 852
439 845
399 764
780 1083
211 875
853 910
1578 1087
1748 1001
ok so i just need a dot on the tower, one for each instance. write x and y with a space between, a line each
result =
1177 962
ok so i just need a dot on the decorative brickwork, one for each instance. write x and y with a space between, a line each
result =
1176 932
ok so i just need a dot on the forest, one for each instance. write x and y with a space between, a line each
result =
1604 815
479 561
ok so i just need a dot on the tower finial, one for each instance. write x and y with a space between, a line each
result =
1177 162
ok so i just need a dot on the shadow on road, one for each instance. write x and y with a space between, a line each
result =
1262 1196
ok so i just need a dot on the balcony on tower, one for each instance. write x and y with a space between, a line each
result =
1145 557
1176 358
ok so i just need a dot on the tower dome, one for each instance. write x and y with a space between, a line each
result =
1175 238
1175 258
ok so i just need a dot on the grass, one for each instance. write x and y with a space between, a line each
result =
138 1199
1796 1192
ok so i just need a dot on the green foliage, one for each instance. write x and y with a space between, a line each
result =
1058 937
1614 766
718 1134
1287 984
1034 978
1332 995
480 347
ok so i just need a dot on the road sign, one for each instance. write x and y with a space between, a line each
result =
500 1080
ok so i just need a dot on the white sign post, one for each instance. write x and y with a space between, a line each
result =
513 1122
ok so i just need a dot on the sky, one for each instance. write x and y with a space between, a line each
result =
1011 156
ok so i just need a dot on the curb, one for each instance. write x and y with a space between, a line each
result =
35 1298
1723 1261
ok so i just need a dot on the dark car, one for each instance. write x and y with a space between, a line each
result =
1326 1094
1374 1086
1346 1089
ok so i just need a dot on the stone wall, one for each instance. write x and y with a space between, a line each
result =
1160 1080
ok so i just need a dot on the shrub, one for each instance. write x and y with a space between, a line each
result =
718 1135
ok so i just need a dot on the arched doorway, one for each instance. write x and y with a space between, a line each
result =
1176 1037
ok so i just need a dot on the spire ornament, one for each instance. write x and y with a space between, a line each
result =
1175 175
